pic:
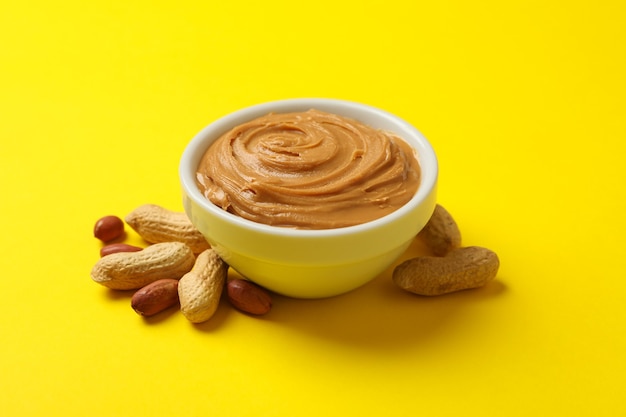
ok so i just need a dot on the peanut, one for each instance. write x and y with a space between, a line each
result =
464 268
118 247
108 228
155 297
441 234
200 289
156 224
248 297
133 270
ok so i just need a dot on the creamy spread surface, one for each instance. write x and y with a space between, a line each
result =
308 170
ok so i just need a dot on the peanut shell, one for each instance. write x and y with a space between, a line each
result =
157 224
133 270
200 290
441 234
461 269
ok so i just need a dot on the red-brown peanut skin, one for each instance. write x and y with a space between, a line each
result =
118 247
108 228
155 297
248 297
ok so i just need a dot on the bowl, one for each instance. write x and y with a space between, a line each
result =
310 263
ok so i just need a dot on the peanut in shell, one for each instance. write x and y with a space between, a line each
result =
133 270
200 290
461 269
441 234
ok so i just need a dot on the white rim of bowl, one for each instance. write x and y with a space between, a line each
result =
196 147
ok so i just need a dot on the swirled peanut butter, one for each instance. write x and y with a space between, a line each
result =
308 170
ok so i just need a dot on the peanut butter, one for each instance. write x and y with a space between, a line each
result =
308 170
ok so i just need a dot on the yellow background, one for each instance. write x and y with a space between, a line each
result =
523 102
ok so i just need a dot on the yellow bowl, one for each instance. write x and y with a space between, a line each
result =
310 263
